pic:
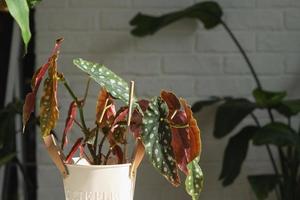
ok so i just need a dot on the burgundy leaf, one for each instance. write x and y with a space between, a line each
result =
137 118
172 102
69 123
29 104
180 140
76 146
194 133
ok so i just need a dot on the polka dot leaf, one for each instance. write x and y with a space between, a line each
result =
156 135
37 78
115 85
194 180
49 112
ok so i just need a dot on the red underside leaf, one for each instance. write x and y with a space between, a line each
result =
76 146
171 100
137 118
29 104
194 133
180 141
69 122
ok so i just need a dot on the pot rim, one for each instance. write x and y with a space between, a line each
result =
99 166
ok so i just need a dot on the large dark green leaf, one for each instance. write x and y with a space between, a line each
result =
20 12
276 133
289 108
209 13
235 154
199 105
262 185
268 99
115 85
157 137
230 114
194 180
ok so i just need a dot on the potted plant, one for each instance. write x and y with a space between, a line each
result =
163 128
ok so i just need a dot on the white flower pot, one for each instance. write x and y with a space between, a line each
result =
99 182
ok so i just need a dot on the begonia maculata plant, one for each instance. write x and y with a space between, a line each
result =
164 125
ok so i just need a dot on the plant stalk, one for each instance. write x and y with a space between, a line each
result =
242 51
270 155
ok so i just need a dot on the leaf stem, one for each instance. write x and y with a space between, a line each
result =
242 51
86 90
79 104
270 155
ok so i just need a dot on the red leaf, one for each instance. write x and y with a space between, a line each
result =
69 123
137 118
76 146
171 100
121 116
194 133
105 115
180 141
117 151
28 107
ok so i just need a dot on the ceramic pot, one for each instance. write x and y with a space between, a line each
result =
99 182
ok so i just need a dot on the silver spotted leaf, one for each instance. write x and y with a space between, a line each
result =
194 180
115 85
157 137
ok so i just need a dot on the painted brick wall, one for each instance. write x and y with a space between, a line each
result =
185 58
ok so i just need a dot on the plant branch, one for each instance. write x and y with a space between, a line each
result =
79 104
270 155
86 90
242 51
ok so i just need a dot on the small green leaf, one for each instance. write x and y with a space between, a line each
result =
5 159
289 108
235 154
276 133
33 3
115 85
262 185
209 13
20 12
230 114
157 137
194 180
268 99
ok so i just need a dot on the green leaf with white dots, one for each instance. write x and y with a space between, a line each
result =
157 137
194 181
115 85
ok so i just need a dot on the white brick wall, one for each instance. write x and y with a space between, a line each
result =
184 57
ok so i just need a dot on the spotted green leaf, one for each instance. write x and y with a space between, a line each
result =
115 85
194 181
157 137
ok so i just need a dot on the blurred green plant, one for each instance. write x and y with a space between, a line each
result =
285 179
8 133
19 10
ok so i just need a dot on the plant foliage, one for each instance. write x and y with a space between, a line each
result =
165 124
